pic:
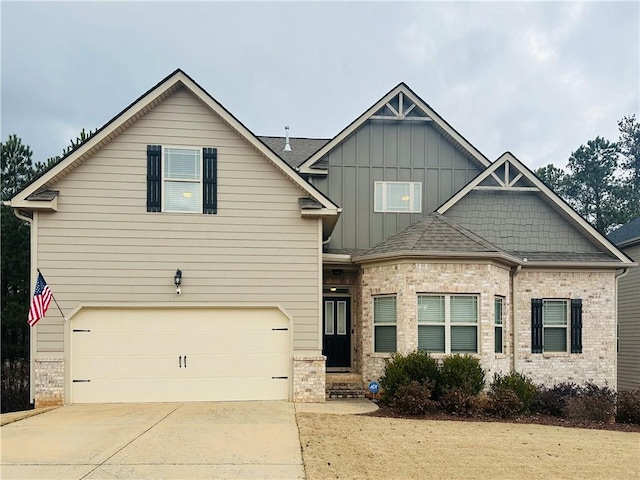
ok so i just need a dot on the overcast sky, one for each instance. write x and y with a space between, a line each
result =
538 79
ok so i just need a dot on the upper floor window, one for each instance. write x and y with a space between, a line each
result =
401 197
182 179
448 323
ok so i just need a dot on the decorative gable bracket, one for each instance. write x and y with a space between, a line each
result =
401 107
506 177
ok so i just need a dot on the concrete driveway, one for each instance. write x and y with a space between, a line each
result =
186 441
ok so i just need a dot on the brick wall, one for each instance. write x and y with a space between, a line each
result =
408 279
49 382
597 362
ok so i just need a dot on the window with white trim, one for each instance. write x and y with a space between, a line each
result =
448 323
384 324
398 197
554 325
182 179
498 324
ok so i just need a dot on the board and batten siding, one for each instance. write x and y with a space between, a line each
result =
389 150
102 246
629 324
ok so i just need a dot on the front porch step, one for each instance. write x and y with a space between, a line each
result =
344 385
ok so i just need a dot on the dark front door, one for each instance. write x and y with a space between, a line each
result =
336 327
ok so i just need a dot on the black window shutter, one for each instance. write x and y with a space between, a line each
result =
209 180
536 325
154 178
576 326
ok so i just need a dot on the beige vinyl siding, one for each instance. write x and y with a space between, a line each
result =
103 246
629 321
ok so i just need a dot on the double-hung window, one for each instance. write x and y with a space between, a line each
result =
448 323
398 197
498 324
384 323
181 179
556 325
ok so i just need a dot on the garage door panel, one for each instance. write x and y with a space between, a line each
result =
138 355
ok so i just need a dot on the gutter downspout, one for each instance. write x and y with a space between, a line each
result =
32 336
617 330
514 321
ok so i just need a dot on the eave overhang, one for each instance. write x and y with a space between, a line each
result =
442 255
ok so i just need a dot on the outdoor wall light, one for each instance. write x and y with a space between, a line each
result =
177 279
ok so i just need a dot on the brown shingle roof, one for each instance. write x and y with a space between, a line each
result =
301 148
433 234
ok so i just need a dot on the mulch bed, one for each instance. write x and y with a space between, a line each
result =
549 420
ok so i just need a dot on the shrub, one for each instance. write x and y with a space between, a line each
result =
520 384
403 369
594 403
414 399
462 372
456 401
628 404
505 402
552 401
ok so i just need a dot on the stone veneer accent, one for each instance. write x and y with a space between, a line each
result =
408 279
49 382
597 362
309 379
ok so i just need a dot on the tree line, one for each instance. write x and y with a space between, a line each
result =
602 178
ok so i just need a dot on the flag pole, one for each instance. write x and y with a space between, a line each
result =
54 298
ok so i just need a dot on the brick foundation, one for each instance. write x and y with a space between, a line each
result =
309 379
49 382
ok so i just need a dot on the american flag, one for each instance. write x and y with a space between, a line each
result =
40 302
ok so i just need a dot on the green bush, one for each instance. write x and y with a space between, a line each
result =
520 384
414 399
401 370
628 406
594 403
462 372
505 402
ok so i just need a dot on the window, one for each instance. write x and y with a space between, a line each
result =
384 324
448 323
497 320
398 197
556 325
181 179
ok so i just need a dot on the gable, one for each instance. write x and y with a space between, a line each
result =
518 222
135 111
509 206
401 104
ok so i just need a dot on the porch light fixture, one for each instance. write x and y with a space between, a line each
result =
177 279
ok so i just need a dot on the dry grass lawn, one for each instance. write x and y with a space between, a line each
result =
357 446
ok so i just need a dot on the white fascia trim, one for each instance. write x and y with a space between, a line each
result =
251 138
546 191
305 167
50 205
579 265
331 258
439 255
319 212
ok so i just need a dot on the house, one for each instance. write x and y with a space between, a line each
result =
195 261
627 238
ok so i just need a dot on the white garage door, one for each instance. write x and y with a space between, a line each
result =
172 355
